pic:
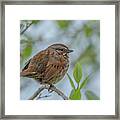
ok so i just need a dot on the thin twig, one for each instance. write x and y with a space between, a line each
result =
26 28
45 96
53 88
37 93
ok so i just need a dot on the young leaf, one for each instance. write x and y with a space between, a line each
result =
75 94
77 73
71 94
71 81
84 83
91 96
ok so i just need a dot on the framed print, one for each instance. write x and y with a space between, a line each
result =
60 59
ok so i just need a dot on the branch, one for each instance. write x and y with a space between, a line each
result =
45 96
26 28
37 93
52 88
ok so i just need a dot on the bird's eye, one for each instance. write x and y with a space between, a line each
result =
59 49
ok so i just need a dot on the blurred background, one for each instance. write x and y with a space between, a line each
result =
83 36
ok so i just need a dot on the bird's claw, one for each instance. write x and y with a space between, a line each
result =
49 90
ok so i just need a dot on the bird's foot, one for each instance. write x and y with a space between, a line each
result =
49 90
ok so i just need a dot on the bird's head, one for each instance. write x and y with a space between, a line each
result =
61 49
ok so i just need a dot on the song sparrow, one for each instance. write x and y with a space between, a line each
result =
48 66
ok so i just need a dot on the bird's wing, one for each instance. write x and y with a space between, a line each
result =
36 65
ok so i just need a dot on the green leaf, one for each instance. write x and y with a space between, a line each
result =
63 24
85 81
91 96
77 72
27 50
71 81
75 94
88 30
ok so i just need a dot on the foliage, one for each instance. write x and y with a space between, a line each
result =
88 56
71 81
35 21
88 30
63 24
76 92
77 73
85 81
27 50
27 42
91 95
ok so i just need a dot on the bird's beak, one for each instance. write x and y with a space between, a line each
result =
69 51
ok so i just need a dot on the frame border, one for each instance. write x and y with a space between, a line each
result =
72 2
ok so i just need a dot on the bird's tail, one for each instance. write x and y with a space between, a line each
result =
23 74
27 74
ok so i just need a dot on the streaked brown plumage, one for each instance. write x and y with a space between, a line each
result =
48 66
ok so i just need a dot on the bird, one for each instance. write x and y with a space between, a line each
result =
48 66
